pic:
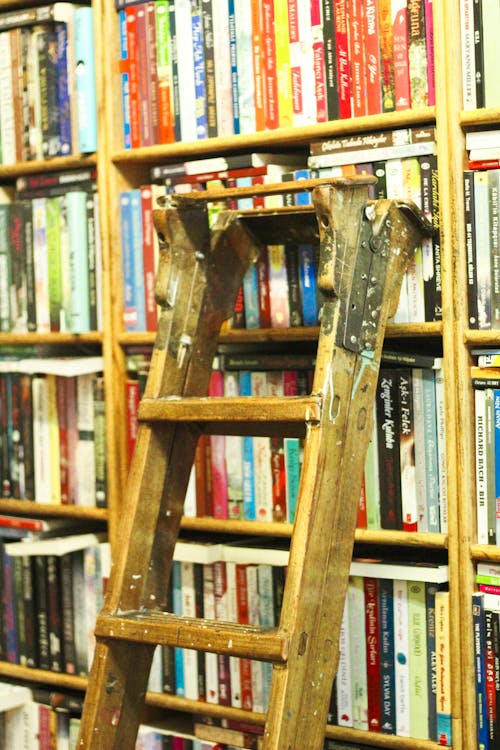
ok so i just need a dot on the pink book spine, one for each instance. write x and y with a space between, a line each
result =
401 67
318 47
218 455
358 59
429 43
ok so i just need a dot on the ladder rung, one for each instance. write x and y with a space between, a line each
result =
166 629
232 409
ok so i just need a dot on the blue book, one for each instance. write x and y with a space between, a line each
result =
308 290
63 105
76 216
85 79
176 584
125 80
430 448
251 297
199 71
234 67
305 198
480 670
291 448
248 463
387 676
132 268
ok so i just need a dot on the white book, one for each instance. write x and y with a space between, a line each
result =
13 696
232 616
254 619
7 124
343 679
418 422
234 456
395 191
41 265
482 138
481 154
62 366
41 440
244 62
185 62
197 552
468 58
60 545
441 448
481 466
488 569
222 65
22 727
357 645
483 256
190 496
211 669
155 679
401 658
189 655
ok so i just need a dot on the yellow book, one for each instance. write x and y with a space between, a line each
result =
283 74
443 668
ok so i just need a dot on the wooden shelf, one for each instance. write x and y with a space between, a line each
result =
42 510
473 118
11 171
52 339
57 679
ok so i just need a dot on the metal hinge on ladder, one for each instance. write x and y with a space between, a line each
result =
364 250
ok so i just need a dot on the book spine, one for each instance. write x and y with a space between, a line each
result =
148 250
209 62
429 279
436 241
211 671
331 73
100 443
85 79
270 71
401 66
28 491
251 297
429 46
386 55
343 681
387 675
124 79
490 464
223 89
417 53
318 61
185 68
244 62
389 461
343 62
234 67
402 676
5 270
494 245
470 247
373 661
189 656
242 608
200 88
479 670
308 288
151 62
407 451
54 614
441 448
218 455
430 442
372 55
467 45
358 646
417 638
278 287
357 54
477 66
372 481
41 598
76 213
443 681
481 467
233 456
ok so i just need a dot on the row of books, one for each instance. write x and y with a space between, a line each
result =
52 591
486 624
192 70
48 91
37 718
404 486
50 255
394 614
481 215
53 431
480 24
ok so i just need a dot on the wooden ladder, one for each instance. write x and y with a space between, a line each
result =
365 247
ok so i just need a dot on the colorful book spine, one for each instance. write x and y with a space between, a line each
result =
343 62
218 455
417 54
209 59
271 79
417 641
318 61
443 660
430 442
85 79
76 212
357 636
164 72
371 38
402 672
401 67
308 288
234 67
249 511
479 670
244 62
200 87
357 53
373 653
387 675
222 64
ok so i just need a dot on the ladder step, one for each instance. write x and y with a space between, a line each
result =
247 410
166 629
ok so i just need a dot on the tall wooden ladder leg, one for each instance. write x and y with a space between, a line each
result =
365 248
197 283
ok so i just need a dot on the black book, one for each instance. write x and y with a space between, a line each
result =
42 610
436 239
478 52
387 409
198 596
54 614
293 279
175 73
332 96
30 627
68 613
427 244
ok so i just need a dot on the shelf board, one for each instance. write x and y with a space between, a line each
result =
56 339
43 510
378 739
484 552
11 171
28 674
280 138
300 333
472 336
479 117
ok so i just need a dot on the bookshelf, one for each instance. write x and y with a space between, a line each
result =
120 169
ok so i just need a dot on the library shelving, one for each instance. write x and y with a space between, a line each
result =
120 169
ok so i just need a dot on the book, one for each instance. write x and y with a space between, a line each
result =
417 643
491 22
401 648
371 40
388 449
443 680
402 88
85 80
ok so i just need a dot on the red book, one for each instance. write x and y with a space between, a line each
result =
343 62
258 200
358 59
200 475
263 285
270 75
372 57
484 164
279 479
429 46
62 416
135 132
148 254
133 397
401 66
238 319
372 653
144 77
242 612
362 521
151 62
258 66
